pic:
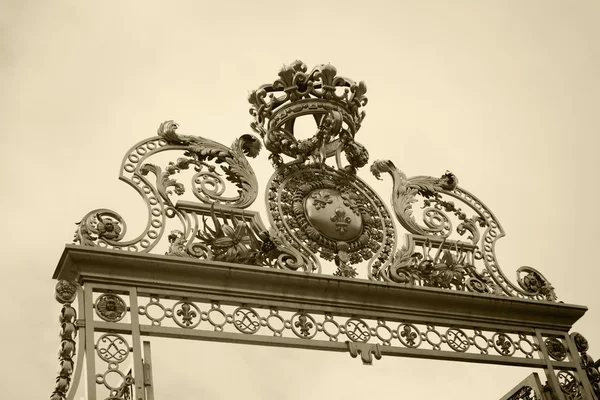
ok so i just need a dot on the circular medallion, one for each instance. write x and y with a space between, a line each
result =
556 348
246 320
65 291
110 307
457 339
326 211
580 342
357 330
112 348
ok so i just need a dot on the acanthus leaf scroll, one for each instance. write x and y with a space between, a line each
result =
318 208
452 264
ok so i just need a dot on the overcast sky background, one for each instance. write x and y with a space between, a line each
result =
505 94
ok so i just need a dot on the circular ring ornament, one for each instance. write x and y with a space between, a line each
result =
110 307
112 348
457 339
409 335
332 332
124 380
275 320
429 340
384 333
483 345
246 320
154 303
217 311
523 341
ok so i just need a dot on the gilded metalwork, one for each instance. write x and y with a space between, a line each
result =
580 342
65 294
503 344
122 379
569 384
454 263
250 320
556 349
112 348
65 291
587 362
334 102
110 307
357 330
246 320
409 335
303 325
354 227
457 339
186 314
317 211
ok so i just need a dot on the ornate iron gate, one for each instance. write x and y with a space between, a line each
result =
227 277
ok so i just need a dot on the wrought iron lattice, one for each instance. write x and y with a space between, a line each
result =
210 315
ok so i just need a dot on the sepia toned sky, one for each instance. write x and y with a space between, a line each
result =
505 94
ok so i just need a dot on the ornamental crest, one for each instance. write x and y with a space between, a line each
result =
321 213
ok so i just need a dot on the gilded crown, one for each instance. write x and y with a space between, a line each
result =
335 102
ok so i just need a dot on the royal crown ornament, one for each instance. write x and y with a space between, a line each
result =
336 104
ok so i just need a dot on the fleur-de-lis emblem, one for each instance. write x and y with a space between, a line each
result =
321 198
504 343
304 324
409 335
341 220
187 314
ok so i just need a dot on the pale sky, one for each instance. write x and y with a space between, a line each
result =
505 94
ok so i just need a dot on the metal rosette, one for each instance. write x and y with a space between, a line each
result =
325 211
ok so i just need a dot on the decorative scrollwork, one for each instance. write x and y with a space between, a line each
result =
246 320
112 348
316 210
569 385
454 263
107 228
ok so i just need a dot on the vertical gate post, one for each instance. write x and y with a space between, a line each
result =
549 369
577 344
138 365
